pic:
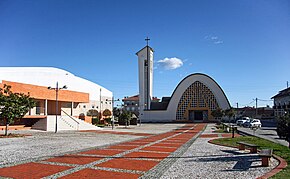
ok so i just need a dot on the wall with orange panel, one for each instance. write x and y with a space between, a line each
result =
41 92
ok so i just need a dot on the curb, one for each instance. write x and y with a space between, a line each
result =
277 169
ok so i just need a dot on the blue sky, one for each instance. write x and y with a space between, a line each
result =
244 45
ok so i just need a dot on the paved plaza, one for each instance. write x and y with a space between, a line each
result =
146 151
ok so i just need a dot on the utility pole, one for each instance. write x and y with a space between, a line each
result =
256 107
237 106
287 84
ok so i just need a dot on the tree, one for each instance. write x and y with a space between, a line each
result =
92 112
283 128
116 112
218 113
107 113
13 105
125 117
230 113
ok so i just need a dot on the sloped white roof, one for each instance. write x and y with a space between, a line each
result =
48 76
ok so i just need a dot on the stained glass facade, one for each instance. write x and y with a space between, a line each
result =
196 97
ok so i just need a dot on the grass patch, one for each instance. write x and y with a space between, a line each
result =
278 149
101 125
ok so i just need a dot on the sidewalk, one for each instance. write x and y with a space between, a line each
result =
205 160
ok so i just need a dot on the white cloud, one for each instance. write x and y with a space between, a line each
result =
213 39
170 63
218 42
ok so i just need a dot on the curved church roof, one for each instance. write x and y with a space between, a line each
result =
185 83
210 80
48 76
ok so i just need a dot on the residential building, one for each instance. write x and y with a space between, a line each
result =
131 103
282 102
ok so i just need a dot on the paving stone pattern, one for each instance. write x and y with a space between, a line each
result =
180 153
124 160
205 160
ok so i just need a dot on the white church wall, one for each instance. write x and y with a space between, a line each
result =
158 116
169 115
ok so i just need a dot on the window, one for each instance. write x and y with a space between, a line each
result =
93 106
84 106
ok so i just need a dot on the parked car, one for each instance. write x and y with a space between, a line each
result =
256 123
240 122
253 123
247 123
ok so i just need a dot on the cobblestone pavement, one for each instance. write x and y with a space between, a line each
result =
124 160
47 144
181 153
205 160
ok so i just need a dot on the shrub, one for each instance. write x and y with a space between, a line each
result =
92 112
95 120
108 120
124 118
282 127
107 112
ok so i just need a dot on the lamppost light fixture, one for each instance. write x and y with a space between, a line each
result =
56 101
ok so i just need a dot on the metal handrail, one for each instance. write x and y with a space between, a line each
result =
71 118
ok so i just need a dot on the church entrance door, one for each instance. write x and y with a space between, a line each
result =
196 116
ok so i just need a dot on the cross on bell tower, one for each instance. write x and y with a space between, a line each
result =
147 41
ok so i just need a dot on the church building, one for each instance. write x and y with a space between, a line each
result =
193 100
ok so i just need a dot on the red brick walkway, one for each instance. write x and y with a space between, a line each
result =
126 160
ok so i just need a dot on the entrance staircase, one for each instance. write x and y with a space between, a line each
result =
64 123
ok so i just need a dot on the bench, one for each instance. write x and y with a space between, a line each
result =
266 154
253 147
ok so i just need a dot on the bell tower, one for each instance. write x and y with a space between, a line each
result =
145 68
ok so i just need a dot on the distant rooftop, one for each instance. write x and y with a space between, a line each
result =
136 98
155 105
282 93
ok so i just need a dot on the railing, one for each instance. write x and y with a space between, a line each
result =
70 118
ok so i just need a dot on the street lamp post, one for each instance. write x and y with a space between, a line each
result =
112 100
56 101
